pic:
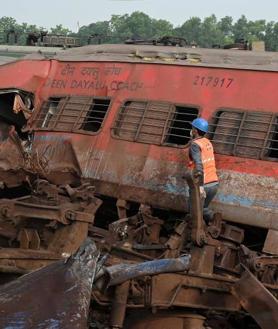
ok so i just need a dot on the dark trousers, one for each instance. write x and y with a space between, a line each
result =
211 190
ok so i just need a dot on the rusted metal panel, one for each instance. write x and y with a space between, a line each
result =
166 321
271 246
119 305
12 160
159 322
22 261
257 300
16 253
49 223
200 291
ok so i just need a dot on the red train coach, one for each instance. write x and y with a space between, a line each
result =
120 115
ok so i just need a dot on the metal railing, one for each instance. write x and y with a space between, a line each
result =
154 123
73 113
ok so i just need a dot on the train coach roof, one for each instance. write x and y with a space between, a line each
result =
6 59
238 59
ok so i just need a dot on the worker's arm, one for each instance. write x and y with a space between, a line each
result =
195 154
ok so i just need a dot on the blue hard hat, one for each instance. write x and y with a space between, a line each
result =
200 124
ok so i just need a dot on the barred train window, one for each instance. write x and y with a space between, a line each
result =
154 122
73 113
245 134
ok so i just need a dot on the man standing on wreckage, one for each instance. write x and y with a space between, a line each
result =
201 155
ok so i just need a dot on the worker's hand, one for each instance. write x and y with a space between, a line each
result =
202 192
196 173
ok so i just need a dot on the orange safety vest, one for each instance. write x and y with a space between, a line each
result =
207 158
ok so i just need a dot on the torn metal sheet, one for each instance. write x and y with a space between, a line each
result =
256 300
56 296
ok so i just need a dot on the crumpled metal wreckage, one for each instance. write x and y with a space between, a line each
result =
58 295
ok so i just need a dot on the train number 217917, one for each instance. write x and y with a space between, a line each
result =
208 81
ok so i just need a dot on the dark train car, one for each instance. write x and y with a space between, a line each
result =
120 115
53 40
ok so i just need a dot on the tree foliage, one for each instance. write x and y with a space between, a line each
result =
60 30
205 33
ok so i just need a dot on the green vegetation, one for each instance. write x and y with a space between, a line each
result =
205 33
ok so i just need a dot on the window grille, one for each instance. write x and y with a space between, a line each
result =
272 151
73 113
154 122
245 134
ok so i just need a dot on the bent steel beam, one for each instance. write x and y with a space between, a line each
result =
256 300
118 274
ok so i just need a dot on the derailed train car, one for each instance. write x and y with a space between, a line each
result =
126 113
118 118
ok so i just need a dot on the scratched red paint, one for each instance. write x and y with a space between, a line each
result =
175 83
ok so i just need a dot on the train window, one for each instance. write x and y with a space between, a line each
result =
272 151
180 125
129 118
96 115
73 113
244 134
154 122
49 112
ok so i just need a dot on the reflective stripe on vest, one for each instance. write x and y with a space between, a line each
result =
208 161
